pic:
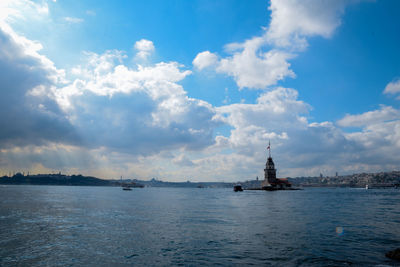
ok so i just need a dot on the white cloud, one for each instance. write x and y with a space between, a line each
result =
140 122
12 10
276 109
385 113
249 65
300 147
145 48
73 20
254 64
107 107
252 68
183 161
27 78
275 114
380 138
144 45
141 110
106 75
393 88
293 20
205 59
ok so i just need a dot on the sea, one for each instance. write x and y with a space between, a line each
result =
106 226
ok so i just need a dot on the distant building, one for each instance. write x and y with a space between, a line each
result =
270 179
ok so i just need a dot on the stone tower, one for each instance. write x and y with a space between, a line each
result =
270 171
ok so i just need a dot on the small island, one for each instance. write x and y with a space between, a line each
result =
270 182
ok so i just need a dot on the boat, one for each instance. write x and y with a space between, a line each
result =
237 188
366 187
126 188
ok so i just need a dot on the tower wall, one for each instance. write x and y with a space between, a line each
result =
270 171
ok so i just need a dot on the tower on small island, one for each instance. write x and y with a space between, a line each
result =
270 180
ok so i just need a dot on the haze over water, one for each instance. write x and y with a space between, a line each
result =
60 225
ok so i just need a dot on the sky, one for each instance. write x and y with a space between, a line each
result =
195 90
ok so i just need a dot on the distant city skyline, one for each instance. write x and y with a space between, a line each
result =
194 90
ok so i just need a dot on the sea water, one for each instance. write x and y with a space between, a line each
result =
106 226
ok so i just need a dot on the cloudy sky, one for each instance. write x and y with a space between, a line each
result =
194 90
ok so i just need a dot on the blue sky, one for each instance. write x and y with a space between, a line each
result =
194 90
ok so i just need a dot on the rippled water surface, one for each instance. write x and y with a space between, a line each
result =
61 225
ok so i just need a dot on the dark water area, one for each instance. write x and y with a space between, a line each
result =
106 226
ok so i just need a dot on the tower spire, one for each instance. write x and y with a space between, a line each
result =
269 145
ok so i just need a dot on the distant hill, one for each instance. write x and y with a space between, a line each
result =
55 179
388 179
382 179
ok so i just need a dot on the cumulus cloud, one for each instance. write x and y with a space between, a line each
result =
138 111
15 10
379 134
28 118
305 148
252 68
276 109
249 65
382 138
378 140
294 20
278 116
385 113
393 88
107 106
254 64
183 161
272 117
112 119
205 59
145 48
